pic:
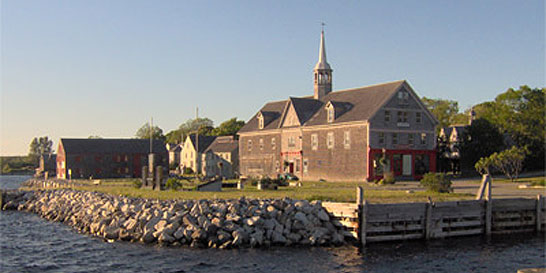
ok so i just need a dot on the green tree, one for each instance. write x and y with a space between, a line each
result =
520 115
40 146
228 128
144 132
205 126
480 139
445 111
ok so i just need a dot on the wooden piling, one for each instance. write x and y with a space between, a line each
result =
539 213
488 207
479 194
362 211
428 219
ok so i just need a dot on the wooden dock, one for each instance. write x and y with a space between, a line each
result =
366 223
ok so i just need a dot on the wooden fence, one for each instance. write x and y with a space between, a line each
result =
385 222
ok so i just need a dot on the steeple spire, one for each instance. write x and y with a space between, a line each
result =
322 71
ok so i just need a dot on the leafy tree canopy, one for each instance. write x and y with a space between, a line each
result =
205 126
40 146
480 139
445 111
229 127
520 114
145 130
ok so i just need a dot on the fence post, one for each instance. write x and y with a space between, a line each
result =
362 212
539 213
488 207
428 219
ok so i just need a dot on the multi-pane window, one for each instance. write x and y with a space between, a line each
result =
261 144
273 143
330 140
249 145
381 139
387 116
305 165
418 117
291 141
394 138
314 142
410 138
261 122
347 139
402 116
403 97
423 138
331 114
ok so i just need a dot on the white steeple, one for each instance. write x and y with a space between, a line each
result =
322 72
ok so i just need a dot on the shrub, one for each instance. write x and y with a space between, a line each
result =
137 183
436 182
388 179
173 184
188 171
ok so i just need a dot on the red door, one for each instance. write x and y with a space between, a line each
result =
397 164
137 166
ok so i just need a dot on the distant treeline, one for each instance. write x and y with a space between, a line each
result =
17 164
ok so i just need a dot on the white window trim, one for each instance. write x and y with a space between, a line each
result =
330 140
347 139
314 142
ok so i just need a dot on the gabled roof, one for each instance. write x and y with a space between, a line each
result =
112 145
357 104
176 148
204 141
305 107
365 102
274 110
223 144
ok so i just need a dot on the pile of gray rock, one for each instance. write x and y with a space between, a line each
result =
198 223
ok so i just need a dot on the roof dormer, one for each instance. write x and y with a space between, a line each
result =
261 122
330 112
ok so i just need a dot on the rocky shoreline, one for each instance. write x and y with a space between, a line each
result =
197 223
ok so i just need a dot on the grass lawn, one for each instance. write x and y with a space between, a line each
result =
537 180
326 191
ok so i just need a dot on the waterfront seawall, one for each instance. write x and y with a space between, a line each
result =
198 223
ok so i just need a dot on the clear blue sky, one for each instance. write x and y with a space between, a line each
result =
81 68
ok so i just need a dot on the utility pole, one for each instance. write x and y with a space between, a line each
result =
197 161
151 133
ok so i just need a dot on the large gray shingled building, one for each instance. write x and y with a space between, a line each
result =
107 158
341 135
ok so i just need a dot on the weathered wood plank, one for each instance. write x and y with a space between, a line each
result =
514 224
383 238
513 204
509 215
347 233
393 228
508 231
539 215
348 224
403 209
339 205
363 222
462 224
428 219
343 214
464 232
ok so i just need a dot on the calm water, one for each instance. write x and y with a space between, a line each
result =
29 243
